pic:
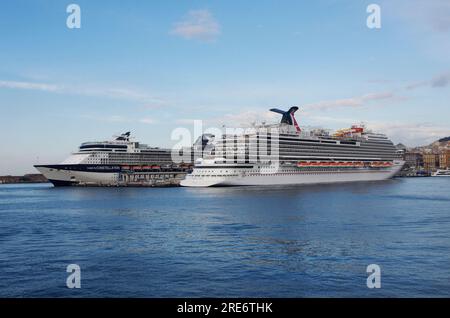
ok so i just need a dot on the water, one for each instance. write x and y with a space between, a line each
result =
224 242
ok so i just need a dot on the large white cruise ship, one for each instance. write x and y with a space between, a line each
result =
118 162
283 154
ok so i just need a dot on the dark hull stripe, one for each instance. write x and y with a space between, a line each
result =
61 183
106 168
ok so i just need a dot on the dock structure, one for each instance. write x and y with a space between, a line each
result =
151 179
143 176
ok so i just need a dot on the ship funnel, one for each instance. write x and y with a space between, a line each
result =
288 116
124 137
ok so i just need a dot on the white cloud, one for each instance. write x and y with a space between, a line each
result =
116 119
109 119
440 80
120 119
426 24
197 24
30 86
113 93
236 120
357 101
411 134
148 121
431 14
408 133
186 121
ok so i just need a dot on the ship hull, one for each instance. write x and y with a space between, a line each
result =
62 176
76 175
295 179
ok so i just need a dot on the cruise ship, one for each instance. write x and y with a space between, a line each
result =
442 173
284 154
118 162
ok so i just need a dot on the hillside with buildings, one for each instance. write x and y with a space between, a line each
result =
425 160
28 178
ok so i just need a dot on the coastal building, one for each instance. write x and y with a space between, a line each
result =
430 161
444 159
413 160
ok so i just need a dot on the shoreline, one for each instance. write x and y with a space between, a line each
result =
27 178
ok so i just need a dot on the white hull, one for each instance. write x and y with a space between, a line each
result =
293 179
61 177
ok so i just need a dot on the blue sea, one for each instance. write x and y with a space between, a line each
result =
304 241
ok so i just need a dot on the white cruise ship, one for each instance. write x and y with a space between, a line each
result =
442 173
119 162
283 154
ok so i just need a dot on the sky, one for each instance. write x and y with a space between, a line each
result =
150 67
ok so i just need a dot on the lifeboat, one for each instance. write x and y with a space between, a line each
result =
357 129
156 167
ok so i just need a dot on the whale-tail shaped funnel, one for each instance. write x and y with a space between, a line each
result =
288 116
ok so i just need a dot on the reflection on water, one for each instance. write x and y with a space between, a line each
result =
212 242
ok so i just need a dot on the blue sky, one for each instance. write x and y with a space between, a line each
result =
152 66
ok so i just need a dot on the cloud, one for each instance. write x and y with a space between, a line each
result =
197 24
438 81
431 15
242 119
441 80
411 134
119 119
426 24
417 85
113 93
357 101
108 119
148 121
186 121
31 86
